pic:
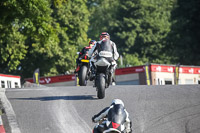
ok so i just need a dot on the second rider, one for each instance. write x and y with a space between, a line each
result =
105 44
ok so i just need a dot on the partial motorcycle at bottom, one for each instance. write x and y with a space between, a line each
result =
113 128
103 77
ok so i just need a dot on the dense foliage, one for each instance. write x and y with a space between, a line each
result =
46 34
41 34
184 38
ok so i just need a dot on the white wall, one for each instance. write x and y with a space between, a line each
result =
6 81
127 79
161 77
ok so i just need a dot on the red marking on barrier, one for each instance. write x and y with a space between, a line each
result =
160 68
10 76
54 79
171 69
129 70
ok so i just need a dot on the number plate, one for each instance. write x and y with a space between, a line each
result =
105 54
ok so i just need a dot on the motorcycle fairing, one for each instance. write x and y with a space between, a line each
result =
111 130
115 125
102 62
118 128
84 60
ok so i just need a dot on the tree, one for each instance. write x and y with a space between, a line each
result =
41 34
183 39
139 28
103 16
12 48
145 24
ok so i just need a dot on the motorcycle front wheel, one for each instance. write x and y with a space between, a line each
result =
101 83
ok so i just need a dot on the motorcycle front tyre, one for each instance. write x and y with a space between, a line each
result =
101 83
82 76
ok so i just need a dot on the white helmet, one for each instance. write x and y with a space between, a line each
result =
117 101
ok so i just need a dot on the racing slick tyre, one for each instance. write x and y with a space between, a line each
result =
83 76
101 86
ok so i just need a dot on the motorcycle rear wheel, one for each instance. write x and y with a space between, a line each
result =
101 83
82 76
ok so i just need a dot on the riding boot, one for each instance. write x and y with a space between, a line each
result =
77 69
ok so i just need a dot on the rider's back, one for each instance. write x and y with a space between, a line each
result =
117 114
105 45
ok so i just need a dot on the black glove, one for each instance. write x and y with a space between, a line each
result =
93 119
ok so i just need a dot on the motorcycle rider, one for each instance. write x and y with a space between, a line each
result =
83 52
112 114
105 44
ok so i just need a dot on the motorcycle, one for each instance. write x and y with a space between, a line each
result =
113 127
103 76
84 71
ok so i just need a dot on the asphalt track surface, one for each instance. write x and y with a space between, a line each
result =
152 109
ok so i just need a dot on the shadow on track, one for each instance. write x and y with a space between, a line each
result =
49 98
